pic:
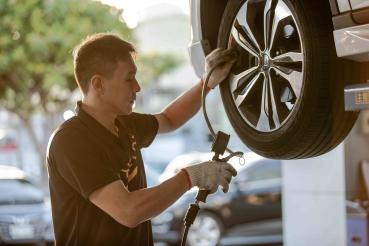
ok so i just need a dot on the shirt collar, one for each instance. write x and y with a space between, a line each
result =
96 127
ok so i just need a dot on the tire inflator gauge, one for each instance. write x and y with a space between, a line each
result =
219 146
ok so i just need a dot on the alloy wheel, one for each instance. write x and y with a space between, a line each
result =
267 81
205 231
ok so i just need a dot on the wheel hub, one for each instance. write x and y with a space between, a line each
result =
265 61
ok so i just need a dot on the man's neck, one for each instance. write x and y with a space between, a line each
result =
104 117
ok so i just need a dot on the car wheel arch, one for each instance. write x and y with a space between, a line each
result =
211 13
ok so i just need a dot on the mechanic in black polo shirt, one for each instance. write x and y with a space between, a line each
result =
96 173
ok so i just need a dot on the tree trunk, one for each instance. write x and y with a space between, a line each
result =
39 147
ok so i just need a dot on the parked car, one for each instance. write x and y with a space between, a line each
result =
25 215
284 96
250 213
182 161
194 157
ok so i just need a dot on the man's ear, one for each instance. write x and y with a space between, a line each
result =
97 85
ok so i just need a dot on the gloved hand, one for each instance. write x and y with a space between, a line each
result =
226 58
209 175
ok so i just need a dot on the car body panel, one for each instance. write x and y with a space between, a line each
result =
272 228
257 196
359 4
343 6
197 55
196 34
358 51
195 47
353 42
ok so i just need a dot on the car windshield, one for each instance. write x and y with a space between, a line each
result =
19 191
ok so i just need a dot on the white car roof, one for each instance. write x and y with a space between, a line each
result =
10 172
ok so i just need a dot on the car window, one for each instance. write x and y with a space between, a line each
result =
19 191
261 170
268 169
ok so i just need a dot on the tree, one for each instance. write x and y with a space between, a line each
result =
154 64
36 42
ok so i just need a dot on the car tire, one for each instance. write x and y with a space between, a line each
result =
206 230
304 115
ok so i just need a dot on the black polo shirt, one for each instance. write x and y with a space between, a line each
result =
84 156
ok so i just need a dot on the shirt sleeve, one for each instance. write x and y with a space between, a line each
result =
78 163
146 127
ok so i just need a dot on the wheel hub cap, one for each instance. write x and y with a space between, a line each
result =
266 61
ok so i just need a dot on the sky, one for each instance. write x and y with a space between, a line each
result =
132 8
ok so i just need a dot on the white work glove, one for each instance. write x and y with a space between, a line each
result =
224 60
209 175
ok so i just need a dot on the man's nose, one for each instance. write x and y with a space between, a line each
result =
137 86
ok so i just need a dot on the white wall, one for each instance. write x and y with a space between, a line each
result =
314 200
165 28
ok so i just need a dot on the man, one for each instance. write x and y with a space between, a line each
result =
96 173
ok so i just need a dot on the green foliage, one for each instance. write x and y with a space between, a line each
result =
36 42
37 38
154 64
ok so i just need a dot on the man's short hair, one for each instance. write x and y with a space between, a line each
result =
99 54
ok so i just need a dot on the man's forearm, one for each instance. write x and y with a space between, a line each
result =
149 202
185 106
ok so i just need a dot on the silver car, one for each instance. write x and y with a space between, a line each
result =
284 96
25 216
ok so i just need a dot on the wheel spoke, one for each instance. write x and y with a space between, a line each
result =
269 12
294 78
269 110
241 98
289 57
237 81
263 122
243 42
274 108
281 12
242 21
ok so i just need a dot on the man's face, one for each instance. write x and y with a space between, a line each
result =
120 90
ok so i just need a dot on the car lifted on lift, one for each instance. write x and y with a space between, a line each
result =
284 97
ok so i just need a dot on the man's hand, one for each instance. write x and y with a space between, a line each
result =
224 60
209 175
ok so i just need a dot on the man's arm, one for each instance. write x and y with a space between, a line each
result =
181 109
133 208
189 103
